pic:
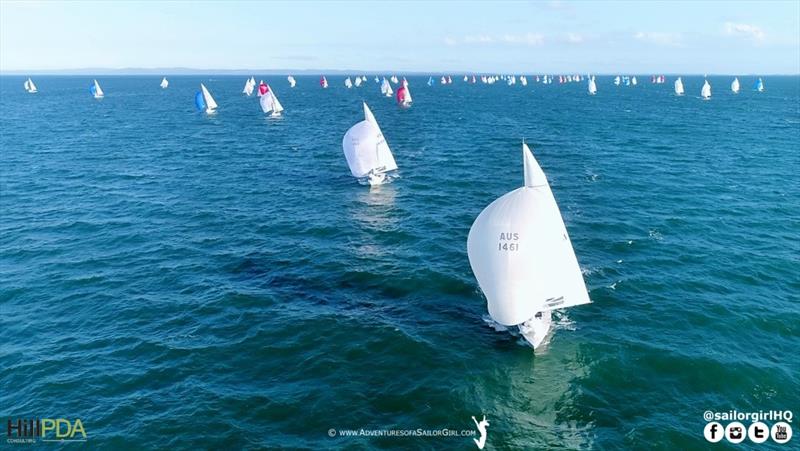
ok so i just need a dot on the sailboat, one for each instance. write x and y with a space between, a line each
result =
735 85
270 104
96 91
679 87
592 86
616 80
323 82
164 83
203 100
366 151
249 85
705 93
449 80
291 81
443 80
404 95
633 80
29 86
521 255
394 79
357 83
473 80
430 81
386 88
759 85
377 80
348 83
523 80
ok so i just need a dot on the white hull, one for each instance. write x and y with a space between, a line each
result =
536 329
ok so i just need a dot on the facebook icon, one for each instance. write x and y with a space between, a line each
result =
713 432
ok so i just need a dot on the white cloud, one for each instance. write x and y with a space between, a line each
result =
529 39
741 29
574 38
659 38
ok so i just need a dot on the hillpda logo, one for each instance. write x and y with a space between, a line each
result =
31 430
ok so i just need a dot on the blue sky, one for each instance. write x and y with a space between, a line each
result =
733 37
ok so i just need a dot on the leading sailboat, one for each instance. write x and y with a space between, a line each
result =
520 253
29 86
203 100
367 153
96 91
270 104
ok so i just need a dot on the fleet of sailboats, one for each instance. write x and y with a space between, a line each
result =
366 151
522 257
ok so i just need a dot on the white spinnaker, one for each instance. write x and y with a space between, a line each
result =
366 149
210 103
98 92
521 254
679 86
706 91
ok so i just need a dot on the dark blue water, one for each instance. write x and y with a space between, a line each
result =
178 280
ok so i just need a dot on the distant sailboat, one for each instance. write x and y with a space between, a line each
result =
473 80
292 81
249 85
323 82
633 81
523 80
363 78
270 104
449 80
348 83
386 88
616 80
394 79
430 81
96 91
164 83
705 93
377 80
29 86
759 85
679 87
203 100
592 86
466 78
404 95
357 83
366 151
735 85
522 257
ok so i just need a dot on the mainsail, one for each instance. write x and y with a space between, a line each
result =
366 149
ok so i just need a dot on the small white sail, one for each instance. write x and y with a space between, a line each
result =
386 88
616 80
211 105
523 80
249 85
705 93
633 81
348 83
164 83
522 257
30 87
98 92
735 85
679 86
366 151
592 86
292 81
357 83
394 79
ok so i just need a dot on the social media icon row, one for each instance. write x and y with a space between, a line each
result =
758 432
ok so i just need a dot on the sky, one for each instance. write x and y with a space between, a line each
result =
698 37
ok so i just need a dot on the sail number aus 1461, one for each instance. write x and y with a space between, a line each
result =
508 241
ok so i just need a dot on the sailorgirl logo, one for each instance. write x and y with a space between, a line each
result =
482 425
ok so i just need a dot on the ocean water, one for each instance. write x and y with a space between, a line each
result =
183 281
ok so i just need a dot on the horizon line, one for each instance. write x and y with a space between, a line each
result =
197 71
